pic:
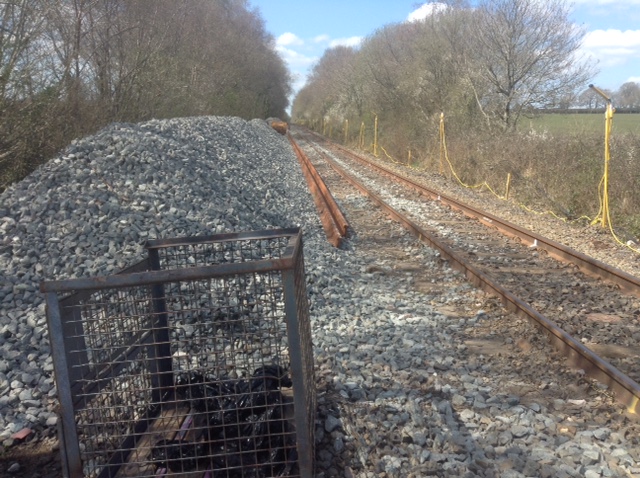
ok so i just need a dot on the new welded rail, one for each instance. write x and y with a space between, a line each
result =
333 221
627 391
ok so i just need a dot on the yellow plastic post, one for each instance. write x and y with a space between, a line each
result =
442 143
607 158
608 121
409 158
506 193
375 137
346 131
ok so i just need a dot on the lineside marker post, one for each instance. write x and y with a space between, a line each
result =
603 216
506 193
346 131
375 137
443 144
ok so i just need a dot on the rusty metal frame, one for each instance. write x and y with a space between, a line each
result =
147 273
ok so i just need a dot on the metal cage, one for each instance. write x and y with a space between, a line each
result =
194 362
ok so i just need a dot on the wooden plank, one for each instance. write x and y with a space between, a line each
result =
165 427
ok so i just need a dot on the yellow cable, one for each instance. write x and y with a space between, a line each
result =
603 215
603 198
395 161
600 205
444 149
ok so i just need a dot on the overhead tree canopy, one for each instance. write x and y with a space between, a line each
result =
486 65
522 55
71 66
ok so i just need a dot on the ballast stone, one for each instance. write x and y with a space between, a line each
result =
89 211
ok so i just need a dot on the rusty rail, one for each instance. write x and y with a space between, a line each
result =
333 221
627 282
626 390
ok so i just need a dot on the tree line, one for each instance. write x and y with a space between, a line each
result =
485 67
625 99
71 66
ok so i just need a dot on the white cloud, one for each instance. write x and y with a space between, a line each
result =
321 39
620 3
351 41
612 38
294 59
634 79
289 39
612 47
426 10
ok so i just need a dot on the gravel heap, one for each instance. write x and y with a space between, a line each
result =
89 211
398 393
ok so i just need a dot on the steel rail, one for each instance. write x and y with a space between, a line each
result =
333 221
593 267
626 390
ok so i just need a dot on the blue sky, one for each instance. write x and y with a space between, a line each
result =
304 29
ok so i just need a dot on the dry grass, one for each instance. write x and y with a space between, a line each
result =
561 173
571 124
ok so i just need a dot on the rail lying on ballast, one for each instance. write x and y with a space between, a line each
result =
334 223
627 390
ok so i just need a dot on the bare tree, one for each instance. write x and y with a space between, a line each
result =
71 66
20 29
523 54
24 97
628 95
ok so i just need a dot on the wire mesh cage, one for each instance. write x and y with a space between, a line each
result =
195 362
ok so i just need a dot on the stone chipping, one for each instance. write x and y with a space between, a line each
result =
405 386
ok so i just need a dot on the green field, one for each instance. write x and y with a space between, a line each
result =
558 123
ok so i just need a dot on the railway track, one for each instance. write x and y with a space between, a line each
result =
590 311
333 221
